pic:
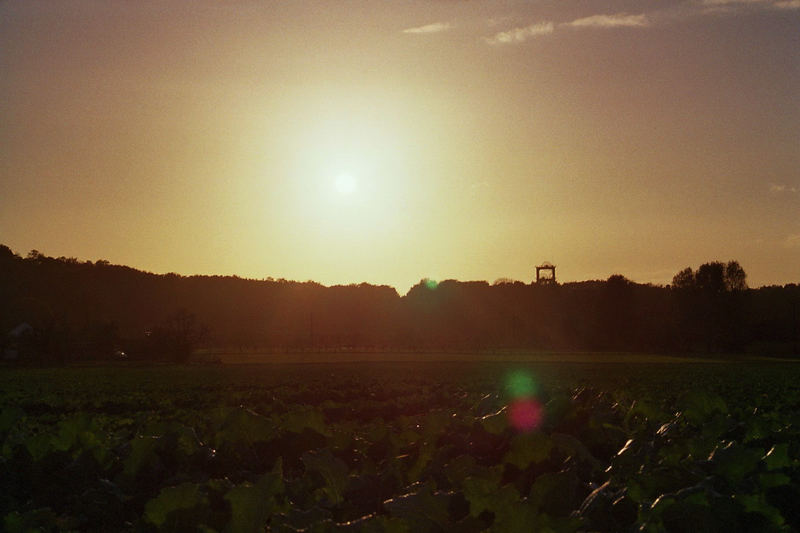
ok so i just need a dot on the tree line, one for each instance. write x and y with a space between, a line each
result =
92 310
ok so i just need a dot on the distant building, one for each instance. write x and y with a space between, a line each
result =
546 274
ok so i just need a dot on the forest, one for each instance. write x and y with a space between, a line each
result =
62 309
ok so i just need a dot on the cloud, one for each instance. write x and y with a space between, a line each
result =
778 188
730 2
732 6
518 35
436 27
657 17
619 20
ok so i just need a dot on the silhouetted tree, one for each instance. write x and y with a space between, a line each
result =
735 277
684 280
81 302
178 336
616 314
711 304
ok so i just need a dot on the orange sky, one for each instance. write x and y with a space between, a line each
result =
389 141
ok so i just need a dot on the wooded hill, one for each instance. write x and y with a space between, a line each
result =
82 309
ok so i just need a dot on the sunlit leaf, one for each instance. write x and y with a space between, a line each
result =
423 510
495 423
778 457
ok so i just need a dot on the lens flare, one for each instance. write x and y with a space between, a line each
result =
521 385
431 284
525 414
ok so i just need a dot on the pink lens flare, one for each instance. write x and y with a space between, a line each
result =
525 414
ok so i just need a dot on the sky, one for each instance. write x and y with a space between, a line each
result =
354 141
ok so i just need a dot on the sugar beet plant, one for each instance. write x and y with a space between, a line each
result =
403 455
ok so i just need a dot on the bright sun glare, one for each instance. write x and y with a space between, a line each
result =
345 184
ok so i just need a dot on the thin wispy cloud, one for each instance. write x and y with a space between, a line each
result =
519 35
778 188
619 20
734 2
734 6
657 17
436 27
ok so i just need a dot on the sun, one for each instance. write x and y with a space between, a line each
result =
345 184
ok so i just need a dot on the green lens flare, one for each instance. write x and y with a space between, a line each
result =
521 384
431 284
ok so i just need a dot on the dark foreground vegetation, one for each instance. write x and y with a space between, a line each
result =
399 447
72 310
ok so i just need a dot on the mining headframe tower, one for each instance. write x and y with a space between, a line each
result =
546 274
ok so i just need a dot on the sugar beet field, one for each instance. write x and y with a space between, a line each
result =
418 443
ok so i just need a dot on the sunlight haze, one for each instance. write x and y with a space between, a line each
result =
385 142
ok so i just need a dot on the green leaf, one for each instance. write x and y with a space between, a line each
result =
495 423
435 424
306 418
243 427
253 504
143 451
39 445
333 470
375 524
570 446
34 521
425 455
68 431
648 411
423 510
183 497
773 479
735 461
757 429
9 416
485 495
700 405
527 449
517 517
778 457
757 503
555 493
482 490
459 468
301 519
186 439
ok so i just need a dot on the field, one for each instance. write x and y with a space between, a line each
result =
409 442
